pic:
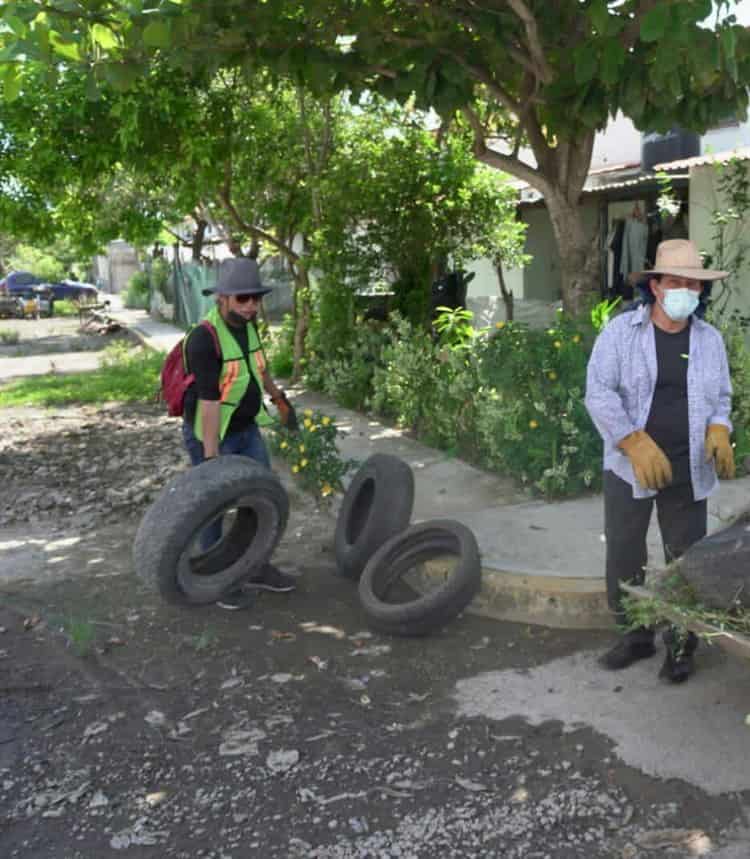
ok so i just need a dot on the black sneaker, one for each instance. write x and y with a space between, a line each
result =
237 599
625 653
679 663
270 578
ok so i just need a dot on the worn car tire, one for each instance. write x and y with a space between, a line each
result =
376 506
162 549
430 612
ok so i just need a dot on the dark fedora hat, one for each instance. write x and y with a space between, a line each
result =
239 276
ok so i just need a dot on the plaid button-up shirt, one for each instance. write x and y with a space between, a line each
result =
620 383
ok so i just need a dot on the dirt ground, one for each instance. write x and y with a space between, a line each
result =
288 730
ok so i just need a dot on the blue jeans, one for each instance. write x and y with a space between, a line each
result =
248 442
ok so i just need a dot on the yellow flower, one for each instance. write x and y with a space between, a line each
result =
303 463
499 325
552 374
558 344
307 413
284 445
533 424
577 338
313 427
326 420
302 448
326 489
307 422
295 469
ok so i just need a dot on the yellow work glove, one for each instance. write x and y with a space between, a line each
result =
719 449
650 464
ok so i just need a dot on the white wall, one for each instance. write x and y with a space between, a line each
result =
724 139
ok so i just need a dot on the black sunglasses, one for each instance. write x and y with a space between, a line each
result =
244 297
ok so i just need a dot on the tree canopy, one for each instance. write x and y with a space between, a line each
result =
523 72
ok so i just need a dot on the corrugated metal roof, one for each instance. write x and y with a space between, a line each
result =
645 179
742 152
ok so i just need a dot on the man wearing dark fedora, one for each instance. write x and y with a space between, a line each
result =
224 407
659 393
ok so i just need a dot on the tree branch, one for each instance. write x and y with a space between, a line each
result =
257 232
542 68
508 163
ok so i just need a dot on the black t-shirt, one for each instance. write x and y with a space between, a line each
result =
206 364
668 423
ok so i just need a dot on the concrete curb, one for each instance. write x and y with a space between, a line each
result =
557 601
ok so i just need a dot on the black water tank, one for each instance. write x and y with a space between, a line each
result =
672 146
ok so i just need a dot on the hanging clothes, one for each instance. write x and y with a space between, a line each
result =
634 244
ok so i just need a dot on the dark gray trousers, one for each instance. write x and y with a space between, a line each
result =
682 522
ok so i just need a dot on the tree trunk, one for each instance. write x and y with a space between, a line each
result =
301 316
198 239
506 294
579 256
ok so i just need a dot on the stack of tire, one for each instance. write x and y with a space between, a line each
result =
376 545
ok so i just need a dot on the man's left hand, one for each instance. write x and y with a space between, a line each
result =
287 415
719 448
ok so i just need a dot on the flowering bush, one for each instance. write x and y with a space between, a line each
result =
531 418
312 454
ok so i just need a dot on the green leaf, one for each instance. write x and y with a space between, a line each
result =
11 84
104 37
728 41
157 34
16 25
613 56
654 23
69 50
585 63
599 16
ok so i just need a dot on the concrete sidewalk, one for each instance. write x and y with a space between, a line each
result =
543 562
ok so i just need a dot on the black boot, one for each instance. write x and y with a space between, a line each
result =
678 663
635 645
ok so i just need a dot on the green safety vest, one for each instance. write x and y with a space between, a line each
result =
235 375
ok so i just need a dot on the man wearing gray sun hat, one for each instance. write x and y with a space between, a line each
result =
224 406
658 391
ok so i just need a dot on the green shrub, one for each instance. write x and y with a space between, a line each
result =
531 419
346 374
160 279
738 357
280 349
312 454
65 308
137 295
8 337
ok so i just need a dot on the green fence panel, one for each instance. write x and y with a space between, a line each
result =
190 279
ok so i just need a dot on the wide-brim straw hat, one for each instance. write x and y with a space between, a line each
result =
679 257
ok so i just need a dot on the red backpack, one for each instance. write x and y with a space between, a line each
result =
175 379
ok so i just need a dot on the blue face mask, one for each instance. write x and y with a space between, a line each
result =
678 304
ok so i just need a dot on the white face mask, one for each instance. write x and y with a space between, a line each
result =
678 304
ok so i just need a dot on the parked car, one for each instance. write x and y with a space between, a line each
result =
16 281
73 290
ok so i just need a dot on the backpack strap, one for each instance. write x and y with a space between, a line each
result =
206 324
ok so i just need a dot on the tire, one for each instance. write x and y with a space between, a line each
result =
170 527
428 613
377 506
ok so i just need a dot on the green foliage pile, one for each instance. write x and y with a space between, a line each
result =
126 375
675 602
